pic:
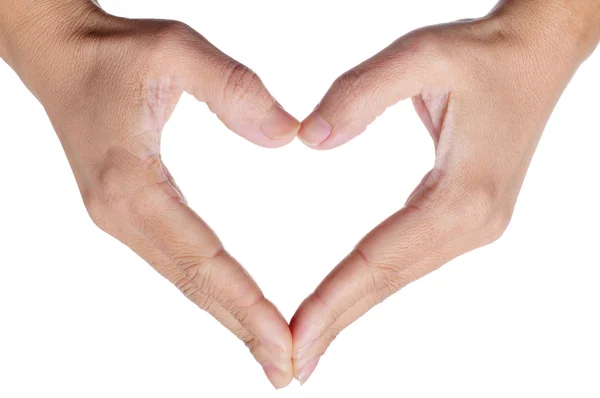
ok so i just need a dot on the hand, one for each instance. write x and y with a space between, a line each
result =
484 90
109 85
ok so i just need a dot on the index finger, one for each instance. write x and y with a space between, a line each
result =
435 227
141 192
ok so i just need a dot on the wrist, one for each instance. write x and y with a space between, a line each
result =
566 29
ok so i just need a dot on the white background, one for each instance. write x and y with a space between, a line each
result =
82 316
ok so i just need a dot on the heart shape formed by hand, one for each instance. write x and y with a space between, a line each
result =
463 203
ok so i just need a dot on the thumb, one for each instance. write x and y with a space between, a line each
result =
235 94
363 93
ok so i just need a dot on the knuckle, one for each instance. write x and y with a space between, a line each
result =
110 186
427 48
352 92
170 33
430 44
351 83
331 310
247 338
144 199
478 208
482 211
88 195
125 181
380 273
385 274
97 211
168 43
109 176
497 225
173 29
204 302
196 277
193 279
250 341
240 83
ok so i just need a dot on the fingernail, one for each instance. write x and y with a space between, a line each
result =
279 124
274 348
275 376
308 370
315 130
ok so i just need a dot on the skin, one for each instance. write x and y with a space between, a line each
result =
483 88
109 85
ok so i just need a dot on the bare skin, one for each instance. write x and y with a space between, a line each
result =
483 88
109 85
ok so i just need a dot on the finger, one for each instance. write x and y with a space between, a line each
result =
277 367
236 95
434 227
328 333
363 93
141 193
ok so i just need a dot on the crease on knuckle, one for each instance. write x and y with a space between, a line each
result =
350 83
196 275
354 91
240 84
198 285
317 296
251 342
349 88
205 302
246 337
382 274
242 311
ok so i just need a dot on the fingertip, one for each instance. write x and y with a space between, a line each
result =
272 330
266 142
279 125
315 130
301 330
278 378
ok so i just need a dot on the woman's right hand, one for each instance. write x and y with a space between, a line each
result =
109 86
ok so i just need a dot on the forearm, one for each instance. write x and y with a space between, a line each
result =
570 27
